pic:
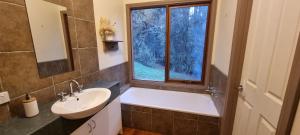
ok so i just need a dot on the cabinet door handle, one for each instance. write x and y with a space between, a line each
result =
94 124
90 131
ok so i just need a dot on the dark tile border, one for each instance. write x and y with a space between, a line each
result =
54 67
168 122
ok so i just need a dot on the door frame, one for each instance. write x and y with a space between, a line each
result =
292 96
239 42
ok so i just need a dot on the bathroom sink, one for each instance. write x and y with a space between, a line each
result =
83 104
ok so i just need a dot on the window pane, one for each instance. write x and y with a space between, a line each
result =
148 28
187 42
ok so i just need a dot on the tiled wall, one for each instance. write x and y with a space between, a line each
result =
18 67
218 80
168 122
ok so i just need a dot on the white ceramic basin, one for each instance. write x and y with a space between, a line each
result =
84 104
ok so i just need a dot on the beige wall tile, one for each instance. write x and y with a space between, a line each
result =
72 32
44 96
19 2
4 113
1 85
66 76
15 31
19 73
84 9
69 5
65 86
16 107
86 34
88 60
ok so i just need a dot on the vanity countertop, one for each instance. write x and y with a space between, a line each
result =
47 123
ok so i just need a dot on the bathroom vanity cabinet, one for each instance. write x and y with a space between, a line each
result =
106 122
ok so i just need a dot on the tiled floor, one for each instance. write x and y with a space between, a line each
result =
131 131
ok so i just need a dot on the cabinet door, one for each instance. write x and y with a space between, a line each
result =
114 116
85 129
100 122
108 120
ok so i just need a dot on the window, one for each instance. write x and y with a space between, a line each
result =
169 42
187 42
148 28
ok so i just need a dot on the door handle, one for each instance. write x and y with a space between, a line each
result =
94 124
91 129
240 88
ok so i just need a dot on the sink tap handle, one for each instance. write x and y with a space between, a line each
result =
62 96
80 87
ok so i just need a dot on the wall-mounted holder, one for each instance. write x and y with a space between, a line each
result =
111 45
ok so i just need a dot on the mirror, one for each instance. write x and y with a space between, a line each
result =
51 38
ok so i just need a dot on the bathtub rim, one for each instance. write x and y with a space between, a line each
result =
217 115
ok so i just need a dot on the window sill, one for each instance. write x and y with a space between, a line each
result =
173 86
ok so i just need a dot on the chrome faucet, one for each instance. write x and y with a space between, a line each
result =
78 86
212 91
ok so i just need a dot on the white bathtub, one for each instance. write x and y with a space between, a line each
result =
200 104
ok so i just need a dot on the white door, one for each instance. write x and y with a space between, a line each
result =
272 39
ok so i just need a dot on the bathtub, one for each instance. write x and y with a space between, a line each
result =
200 104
